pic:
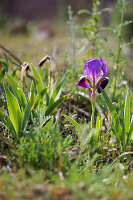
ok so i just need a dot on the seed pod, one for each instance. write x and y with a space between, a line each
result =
44 60
115 104
25 67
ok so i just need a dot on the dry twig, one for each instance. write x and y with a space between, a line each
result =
18 62
11 54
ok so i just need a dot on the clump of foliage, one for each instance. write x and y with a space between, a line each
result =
53 138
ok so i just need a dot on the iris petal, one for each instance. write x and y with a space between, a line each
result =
104 67
90 92
93 68
83 83
102 84
95 71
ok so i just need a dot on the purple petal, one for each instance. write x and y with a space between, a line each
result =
90 92
102 84
92 68
104 67
83 83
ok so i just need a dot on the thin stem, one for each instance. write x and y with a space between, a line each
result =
120 40
95 27
73 44
93 100
72 26
123 154
92 115
119 50
11 54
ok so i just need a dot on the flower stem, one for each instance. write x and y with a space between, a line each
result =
119 50
93 100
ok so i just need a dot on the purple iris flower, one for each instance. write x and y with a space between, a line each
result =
95 71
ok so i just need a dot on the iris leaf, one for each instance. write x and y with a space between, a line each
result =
7 122
4 64
38 80
14 109
17 90
47 127
26 116
32 94
55 104
130 133
77 126
99 122
38 98
56 92
127 113
116 121
2 74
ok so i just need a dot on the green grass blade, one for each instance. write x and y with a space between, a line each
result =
4 64
127 112
97 122
38 98
17 90
101 122
55 104
7 122
4 68
2 74
47 98
77 126
32 94
56 91
114 115
98 128
41 94
38 80
47 127
26 117
130 133
13 109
